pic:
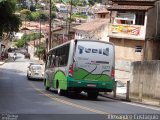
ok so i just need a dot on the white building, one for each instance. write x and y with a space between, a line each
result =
94 30
18 35
62 7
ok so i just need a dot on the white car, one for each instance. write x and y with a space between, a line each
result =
35 71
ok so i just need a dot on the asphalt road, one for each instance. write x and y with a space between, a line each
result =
29 100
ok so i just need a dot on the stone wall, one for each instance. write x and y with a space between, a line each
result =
152 50
145 79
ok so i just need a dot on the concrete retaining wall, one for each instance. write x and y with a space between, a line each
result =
145 79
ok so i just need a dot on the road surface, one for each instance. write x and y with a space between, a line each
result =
24 97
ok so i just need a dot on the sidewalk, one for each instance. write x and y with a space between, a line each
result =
124 76
120 97
2 62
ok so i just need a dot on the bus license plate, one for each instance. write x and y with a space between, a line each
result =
91 85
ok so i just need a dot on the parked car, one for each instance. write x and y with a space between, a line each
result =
35 71
23 51
27 55
9 49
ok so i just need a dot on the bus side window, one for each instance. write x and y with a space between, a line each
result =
60 56
61 51
53 59
48 61
66 54
56 58
56 61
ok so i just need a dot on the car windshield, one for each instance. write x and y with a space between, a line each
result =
36 67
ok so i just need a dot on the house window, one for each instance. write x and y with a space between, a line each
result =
136 18
138 49
140 18
125 18
102 16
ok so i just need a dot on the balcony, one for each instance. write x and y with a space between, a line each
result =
136 32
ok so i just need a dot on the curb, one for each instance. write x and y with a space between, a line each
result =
145 103
120 99
130 100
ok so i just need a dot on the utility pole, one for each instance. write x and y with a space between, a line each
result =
39 36
70 16
50 22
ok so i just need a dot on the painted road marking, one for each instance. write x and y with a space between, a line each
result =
68 102
139 105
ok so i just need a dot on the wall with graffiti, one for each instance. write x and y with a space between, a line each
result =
126 29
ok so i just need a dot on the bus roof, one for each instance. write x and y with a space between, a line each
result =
77 40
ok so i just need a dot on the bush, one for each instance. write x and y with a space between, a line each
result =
20 43
79 15
53 15
26 38
40 52
32 8
38 6
34 16
43 16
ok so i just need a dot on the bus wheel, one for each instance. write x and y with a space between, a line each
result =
92 95
47 88
45 84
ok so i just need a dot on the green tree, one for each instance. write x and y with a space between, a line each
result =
25 13
9 22
82 3
54 8
53 15
40 52
73 2
91 2
26 38
34 16
38 6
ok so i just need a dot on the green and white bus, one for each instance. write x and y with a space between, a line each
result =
81 65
